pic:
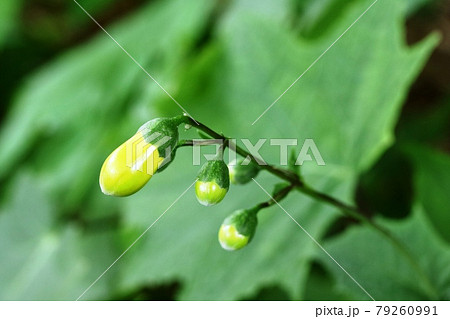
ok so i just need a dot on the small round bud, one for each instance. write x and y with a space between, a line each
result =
132 164
242 174
213 183
238 229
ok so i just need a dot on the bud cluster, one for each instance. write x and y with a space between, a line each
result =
149 151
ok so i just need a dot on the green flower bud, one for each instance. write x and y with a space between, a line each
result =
213 182
163 133
242 174
237 230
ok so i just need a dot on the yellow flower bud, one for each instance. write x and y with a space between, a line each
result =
129 167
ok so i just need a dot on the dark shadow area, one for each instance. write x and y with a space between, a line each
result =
163 292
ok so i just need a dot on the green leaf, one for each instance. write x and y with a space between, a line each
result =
427 127
384 272
95 96
9 16
349 111
72 113
432 185
321 286
183 244
41 261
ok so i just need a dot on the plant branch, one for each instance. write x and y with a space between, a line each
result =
296 183
277 197
183 143
282 173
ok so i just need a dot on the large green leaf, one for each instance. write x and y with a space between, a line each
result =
92 97
349 111
40 260
432 185
384 271
63 124
183 244
73 112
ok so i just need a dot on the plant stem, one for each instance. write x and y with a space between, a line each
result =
183 143
282 173
296 183
355 213
277 197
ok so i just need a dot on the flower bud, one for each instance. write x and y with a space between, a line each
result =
134 162
242 174
213 182
238 229
163 133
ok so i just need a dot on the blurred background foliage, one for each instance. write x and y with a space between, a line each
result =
377 105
